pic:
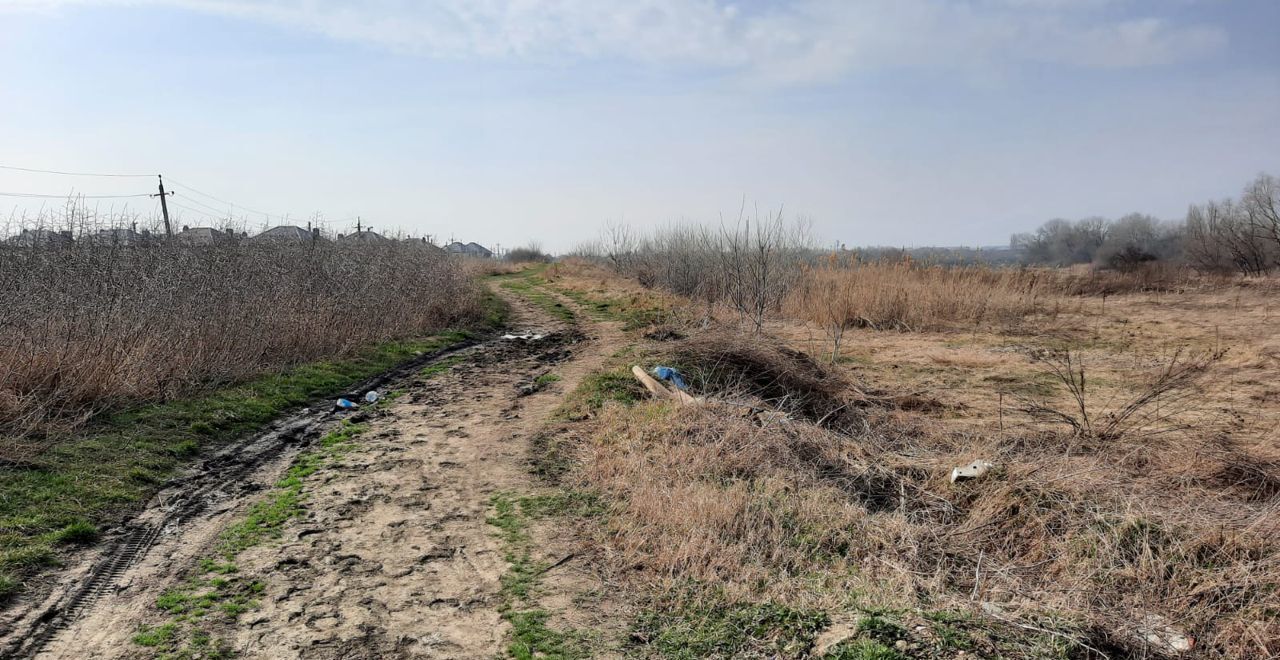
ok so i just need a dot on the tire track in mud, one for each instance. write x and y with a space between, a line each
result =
394 556
222 480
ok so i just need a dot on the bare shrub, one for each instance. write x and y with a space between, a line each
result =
748 267
531 253
1156 409
88 325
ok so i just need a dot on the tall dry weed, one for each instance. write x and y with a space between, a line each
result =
86 326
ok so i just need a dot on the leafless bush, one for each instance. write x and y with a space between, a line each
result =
531 253
88 325
748 266
1157 409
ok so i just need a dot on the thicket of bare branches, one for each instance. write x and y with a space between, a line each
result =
1237 235
749 266
89 324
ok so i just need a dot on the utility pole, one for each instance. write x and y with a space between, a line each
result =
164 207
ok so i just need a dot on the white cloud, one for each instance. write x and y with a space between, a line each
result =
798 41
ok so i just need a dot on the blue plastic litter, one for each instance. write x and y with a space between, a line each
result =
670 375
343 403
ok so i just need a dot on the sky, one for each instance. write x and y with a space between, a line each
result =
882 122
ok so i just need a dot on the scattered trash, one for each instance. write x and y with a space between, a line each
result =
658 389
529 337
372 396
1157 631
671 376
347 405
973 470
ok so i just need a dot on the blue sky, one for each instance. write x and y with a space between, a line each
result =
902 122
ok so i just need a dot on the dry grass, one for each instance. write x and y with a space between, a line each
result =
903 295
1089 538
1091 542
87 327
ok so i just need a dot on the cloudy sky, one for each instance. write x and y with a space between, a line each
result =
903 122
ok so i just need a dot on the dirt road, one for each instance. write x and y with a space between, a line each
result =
393 555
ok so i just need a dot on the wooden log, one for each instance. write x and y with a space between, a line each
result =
655 388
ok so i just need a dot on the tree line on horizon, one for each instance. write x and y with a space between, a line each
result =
1239 235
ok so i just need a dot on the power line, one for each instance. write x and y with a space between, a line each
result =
219 199
37 171
232 206
69 196
204 213
197 202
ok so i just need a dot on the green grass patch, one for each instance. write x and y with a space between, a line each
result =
530 285
731 631
863 649
532 636
93 478
158 636
436 368
8 585
635 314
78 532
616 385
216 593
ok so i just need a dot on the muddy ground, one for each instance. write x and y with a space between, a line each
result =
393 556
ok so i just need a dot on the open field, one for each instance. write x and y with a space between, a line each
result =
803 510
1080 543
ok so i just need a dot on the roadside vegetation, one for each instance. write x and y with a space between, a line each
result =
91 327
127 362
528 282
805 509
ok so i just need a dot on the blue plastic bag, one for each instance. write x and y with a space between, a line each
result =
670 375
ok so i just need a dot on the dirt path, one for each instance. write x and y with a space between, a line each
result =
393 556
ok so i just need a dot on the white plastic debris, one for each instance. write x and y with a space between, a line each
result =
346 404
530 337
372 396
973 470
1157 631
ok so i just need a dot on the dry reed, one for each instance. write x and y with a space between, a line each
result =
89 326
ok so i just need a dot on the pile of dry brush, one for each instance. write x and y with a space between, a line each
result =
87 326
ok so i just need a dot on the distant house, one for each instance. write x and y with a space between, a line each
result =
41 238
288 234
120 236
424 244
469 249
204 236
364 238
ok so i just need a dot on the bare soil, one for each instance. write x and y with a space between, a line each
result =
393 556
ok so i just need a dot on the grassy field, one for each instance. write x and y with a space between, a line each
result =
1133 515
